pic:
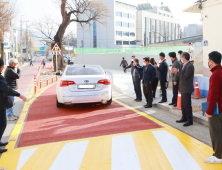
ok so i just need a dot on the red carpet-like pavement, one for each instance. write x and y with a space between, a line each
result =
47 123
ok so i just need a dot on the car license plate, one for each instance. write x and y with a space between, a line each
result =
88 86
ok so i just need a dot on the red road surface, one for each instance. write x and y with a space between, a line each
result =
47 123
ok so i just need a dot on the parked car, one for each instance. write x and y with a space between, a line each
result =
84 84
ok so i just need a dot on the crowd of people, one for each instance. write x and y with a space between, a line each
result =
182 75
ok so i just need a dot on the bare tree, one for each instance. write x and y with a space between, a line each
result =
80 11
6 16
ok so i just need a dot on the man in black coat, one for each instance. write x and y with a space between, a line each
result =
186 87
124 64
164 76
11 77
5 90
149 74
175 79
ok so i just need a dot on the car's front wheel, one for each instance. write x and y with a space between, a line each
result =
59 104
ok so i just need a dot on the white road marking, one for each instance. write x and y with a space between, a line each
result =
176 153
24 157
70 157
124 154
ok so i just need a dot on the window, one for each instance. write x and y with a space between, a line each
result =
131 16
167 31
132 42
94 34
119 23
119 14
159 32
84 71
150 28
125 42
159 13
119 33
132 34
144 32
126 34
178 31
118 42
163 14
125 15
154 30
171 31
168 16
175 32
131 25
125 24
164 31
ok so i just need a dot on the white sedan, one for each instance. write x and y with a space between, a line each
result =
84 84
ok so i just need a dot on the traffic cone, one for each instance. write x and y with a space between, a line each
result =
178 102
197 94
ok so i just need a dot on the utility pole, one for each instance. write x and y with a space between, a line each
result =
20 51
26 42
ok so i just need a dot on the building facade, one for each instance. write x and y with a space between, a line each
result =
130 25
193 30
210 11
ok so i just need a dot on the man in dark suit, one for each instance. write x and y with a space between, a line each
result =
149 74
124 64
137 77
164 76
130 66
175 79
186 88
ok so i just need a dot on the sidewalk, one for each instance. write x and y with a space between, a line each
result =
123 82
25 83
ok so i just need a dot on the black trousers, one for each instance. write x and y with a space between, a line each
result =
215 127
186 107
147 91
137 88
154 86
175 92
163 85
125 69
3 122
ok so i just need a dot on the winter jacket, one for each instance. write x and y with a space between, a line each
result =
5 90
215 90
11 77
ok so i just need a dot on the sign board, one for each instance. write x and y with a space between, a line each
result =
205 43
42 48
5 43
56 52
74 55
36 48
56 48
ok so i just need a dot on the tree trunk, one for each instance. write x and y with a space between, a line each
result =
58 38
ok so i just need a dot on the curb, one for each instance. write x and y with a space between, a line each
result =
196 117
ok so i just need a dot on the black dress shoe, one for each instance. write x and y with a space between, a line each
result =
138 100
3 150
181 121
163 101
172 104
3 143
188 123
175 105
148 106
135 100
145 105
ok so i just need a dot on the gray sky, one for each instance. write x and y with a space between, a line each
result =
35 9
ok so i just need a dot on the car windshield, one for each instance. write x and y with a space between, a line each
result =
84 71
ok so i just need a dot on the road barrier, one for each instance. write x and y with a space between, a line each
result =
178 102
35 88
52 77
47 80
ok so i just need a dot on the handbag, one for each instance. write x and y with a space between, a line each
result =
8 102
